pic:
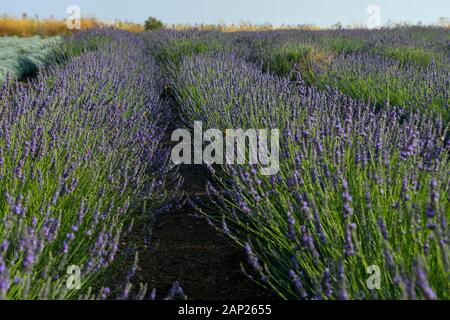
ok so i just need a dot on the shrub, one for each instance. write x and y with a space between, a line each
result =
153 24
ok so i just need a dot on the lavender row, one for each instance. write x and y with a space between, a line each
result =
406 68
358 188
389 67
80 151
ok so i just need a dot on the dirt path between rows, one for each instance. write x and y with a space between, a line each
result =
181 246
184 247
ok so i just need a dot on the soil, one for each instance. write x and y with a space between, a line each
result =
206 264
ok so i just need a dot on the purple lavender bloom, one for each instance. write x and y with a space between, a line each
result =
348 210
349 249
252 259
383 228
291 227
105 292
326 283
65 247
300 290
422 282
4 246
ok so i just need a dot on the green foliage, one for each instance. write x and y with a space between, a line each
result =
409 55
391 87
74 46
284 58
153 24
301 57
342 44
170 52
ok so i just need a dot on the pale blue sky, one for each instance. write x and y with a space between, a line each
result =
319 12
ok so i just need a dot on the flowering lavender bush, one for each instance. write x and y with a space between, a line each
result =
168 47
390 82
364 171
80 150
389 68
403 68
357 186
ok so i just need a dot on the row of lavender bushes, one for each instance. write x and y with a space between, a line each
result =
358 186
407 68
391 68
80 155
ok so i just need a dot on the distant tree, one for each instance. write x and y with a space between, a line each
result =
152 24
336 26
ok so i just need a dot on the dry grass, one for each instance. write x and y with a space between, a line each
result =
26 27
320 55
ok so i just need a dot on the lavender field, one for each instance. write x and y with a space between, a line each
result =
357 209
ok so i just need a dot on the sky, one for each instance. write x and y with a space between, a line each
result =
276 12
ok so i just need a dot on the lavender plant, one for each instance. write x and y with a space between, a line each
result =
402 68
357 187
80 151
389 82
